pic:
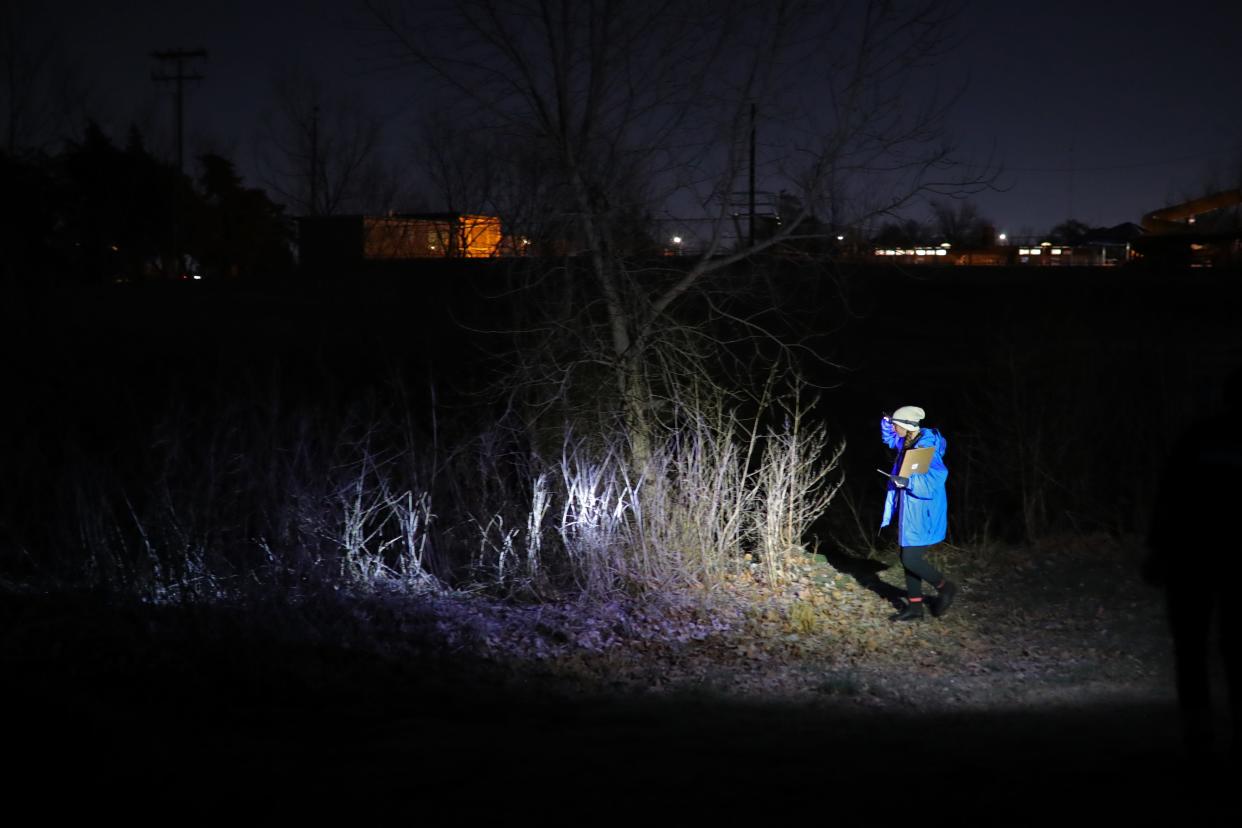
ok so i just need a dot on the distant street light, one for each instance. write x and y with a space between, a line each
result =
676 239
1002 238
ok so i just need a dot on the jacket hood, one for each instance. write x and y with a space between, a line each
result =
931 437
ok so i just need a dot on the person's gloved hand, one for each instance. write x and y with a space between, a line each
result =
901 482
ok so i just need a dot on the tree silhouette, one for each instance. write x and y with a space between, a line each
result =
98 213
118 206
905 233
1070 231
319 151
638 105
42 90
238 231
960 224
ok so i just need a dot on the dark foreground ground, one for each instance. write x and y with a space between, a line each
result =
176 713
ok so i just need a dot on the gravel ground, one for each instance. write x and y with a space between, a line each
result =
1053 625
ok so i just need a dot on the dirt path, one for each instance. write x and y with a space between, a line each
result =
1051 626
1059 624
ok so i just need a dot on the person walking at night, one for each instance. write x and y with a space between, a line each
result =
920 508
1188 554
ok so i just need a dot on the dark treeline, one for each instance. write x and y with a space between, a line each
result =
1060 393
96 212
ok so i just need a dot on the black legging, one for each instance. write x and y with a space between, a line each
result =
918 570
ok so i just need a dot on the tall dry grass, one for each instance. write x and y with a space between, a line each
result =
265 498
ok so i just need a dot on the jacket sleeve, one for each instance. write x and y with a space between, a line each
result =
926 486
888 434
930 485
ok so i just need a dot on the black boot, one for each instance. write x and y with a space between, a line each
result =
944 598
912 612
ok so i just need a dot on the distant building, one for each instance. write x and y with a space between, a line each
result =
1109 246
1048 254
1202 232
916 254
329 242
1101 247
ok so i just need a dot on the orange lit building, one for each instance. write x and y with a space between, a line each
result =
415 236
330 242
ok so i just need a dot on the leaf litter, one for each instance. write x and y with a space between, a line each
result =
1080 624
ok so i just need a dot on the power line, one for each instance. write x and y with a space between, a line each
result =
1138 165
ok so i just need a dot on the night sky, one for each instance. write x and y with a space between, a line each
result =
1097 111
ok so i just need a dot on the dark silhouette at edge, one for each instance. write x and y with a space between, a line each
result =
1190 547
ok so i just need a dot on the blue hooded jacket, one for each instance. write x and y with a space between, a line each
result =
922 507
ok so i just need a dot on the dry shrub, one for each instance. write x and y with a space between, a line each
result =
288 502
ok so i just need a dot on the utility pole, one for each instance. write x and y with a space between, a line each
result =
751 213
1071 177
314 162
178 57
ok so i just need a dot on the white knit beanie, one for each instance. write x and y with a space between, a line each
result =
908 417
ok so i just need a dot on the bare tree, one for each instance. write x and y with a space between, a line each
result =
960 223
319 151
473 169
43 92
905 233
642 107
1071 231
1222 173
